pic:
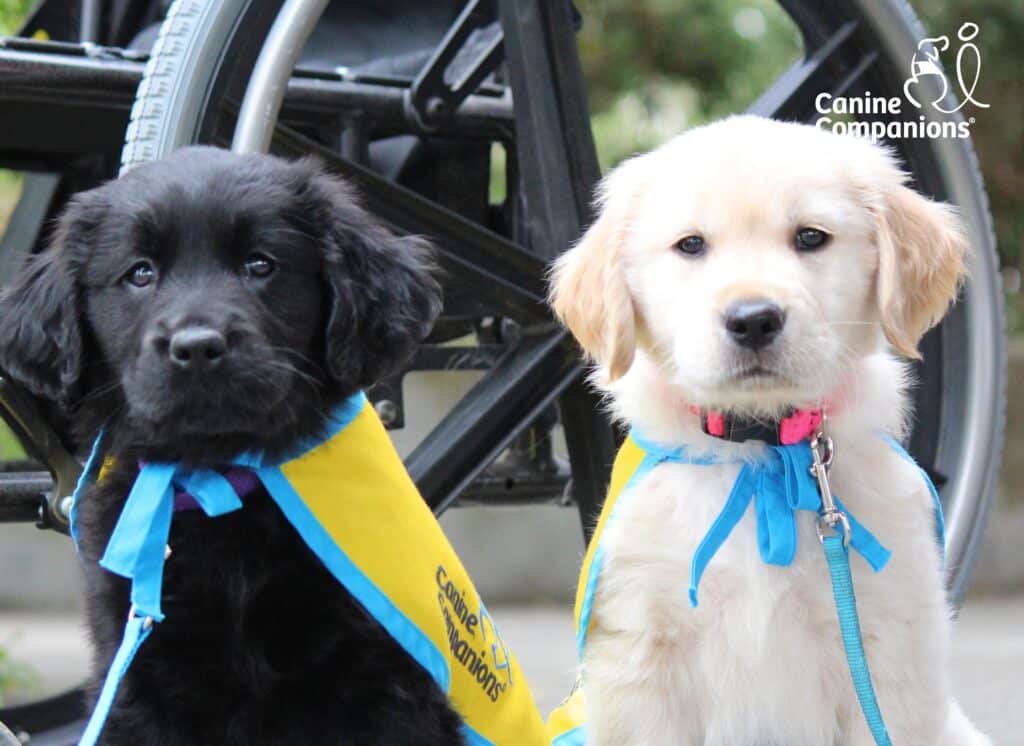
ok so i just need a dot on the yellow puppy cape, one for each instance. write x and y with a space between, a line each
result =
565 726
353 503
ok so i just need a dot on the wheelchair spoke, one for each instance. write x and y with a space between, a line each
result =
505 401
557 157
559 168
476 260
825 69
28 423
592 445
28 222
432 97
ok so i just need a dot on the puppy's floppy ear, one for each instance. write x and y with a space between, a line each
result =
588 288
921 263
384 298
40 328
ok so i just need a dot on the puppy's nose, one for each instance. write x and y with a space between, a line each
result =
754 324
197 347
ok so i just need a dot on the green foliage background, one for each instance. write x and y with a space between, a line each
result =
998 133
655 67
11 13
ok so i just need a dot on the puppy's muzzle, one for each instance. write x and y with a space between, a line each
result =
754 323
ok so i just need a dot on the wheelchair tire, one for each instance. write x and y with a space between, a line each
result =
206 50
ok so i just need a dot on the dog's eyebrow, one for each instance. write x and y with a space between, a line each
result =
824 210
151 231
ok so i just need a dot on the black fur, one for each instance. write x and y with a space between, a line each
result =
261 644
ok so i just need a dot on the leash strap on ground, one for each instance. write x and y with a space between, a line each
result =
136 631
849 626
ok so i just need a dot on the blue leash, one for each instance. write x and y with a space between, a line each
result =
135 633
838 559
137 550
835 545
849 626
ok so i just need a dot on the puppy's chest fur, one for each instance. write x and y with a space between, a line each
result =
260 643
760 660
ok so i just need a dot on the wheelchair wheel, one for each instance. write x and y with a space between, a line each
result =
200 70
7 738
494 256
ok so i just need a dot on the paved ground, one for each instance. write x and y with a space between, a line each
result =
988 656
988 660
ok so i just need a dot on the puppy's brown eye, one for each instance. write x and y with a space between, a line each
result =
259 266
141 274
810 239
692 245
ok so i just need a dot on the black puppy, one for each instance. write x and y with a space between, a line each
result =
196 308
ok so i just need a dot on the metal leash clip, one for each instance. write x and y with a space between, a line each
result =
823 452
147 622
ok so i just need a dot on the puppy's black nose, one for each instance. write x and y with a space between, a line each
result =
754 323
197 347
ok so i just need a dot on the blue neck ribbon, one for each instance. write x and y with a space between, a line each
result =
779 483
137 547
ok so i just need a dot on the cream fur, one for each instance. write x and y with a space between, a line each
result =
760 660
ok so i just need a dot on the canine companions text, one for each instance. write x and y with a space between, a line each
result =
197 308
740 283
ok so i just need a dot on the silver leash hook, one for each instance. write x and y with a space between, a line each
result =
823 451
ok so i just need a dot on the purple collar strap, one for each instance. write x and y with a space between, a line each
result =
243 481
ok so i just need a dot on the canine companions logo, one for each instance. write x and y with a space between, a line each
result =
925 65
493 671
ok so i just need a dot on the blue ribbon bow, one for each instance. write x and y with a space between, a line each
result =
780 483
137 547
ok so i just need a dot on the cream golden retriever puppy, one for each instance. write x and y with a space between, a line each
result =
749 268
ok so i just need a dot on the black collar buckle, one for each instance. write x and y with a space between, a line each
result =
740 429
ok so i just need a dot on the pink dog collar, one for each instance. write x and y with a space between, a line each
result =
795 427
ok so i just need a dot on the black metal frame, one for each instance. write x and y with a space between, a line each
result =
533 369
46 83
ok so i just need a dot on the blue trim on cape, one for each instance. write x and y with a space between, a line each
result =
575 737
597 561
940 521
88 476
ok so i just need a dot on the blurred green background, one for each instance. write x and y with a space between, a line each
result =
656 67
